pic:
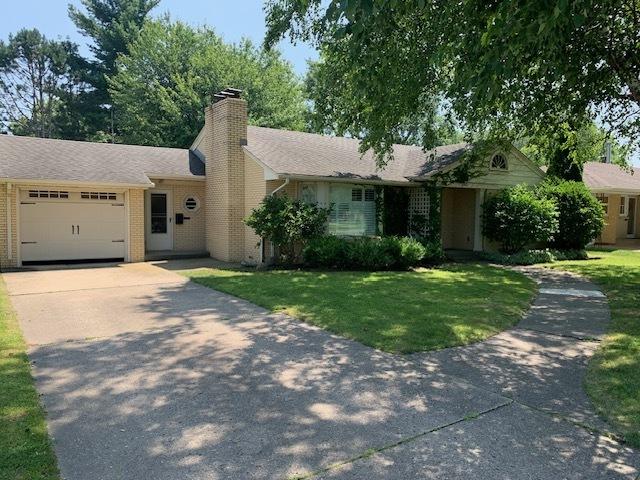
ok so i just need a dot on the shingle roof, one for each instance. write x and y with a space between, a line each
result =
306 154
28 158
607 176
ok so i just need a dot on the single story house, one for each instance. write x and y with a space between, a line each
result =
619 191
66 200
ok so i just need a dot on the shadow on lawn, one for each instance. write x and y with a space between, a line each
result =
234 392
394 311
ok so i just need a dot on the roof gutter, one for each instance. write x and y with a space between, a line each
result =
75 183
612 190
357 180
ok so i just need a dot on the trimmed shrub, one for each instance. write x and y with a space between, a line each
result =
364 253
516 217
434 254
326 251
580 214
287 223
530 257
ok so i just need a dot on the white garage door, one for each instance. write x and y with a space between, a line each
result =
62 225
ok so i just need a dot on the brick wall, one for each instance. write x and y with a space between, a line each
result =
226 127
8 201
255 189
190 236
136 225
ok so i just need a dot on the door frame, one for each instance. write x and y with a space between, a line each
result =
630 217
147 216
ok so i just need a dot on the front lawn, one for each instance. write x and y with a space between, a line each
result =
393 311
613 379
25 449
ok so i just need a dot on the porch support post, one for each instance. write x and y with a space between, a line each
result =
477 232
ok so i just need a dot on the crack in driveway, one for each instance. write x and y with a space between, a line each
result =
183 382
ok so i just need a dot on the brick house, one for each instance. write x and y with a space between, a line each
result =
70 201
619 191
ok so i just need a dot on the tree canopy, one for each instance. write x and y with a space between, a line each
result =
41 85
505 67
328 89
111 25
172 69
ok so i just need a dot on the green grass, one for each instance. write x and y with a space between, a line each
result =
613 378
25 449
397 312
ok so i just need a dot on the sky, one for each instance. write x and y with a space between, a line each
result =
232 19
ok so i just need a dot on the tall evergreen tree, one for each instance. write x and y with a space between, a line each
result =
41 84
112 25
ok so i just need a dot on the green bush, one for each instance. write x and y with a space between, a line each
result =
434 254
530 257
365 253
580 214
326 251
516 217
287 223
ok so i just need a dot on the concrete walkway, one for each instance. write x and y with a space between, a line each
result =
145 375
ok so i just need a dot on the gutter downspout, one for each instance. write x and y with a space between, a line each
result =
286 182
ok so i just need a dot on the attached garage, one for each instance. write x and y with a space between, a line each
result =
63 225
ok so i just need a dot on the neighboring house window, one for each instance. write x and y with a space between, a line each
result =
604 200
191 203
353 210
308 193
623 206
499 162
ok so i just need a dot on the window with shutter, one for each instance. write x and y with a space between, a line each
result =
354 210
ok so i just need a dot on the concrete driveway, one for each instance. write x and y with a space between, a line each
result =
145 375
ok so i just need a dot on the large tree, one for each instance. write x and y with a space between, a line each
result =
172 70
41 86
505 66
328 88
112 25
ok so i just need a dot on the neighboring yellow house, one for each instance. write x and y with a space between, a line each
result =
619 191
78 201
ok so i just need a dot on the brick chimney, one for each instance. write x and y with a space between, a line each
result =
226 133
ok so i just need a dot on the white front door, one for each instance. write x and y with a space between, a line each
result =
159 220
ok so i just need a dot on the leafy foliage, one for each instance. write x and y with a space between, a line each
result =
516 217
171 71
531 257
367 253
287 223
112 25
580 214
329 90
40 84
584 143
503 66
